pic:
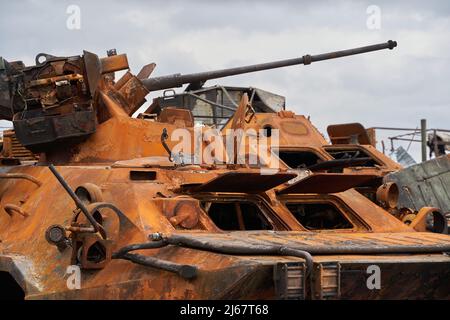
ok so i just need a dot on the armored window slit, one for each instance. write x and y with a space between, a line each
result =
319 216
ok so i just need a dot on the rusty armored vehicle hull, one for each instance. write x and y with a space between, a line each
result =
404 192
202 261
113 210
401 191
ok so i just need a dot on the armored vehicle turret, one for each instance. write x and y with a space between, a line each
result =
111 199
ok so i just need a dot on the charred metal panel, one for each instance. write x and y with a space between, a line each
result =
40 133
133 95
398 280
424 185
13 149
93 70
5 91
326 281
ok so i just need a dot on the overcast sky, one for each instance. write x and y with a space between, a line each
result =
385 88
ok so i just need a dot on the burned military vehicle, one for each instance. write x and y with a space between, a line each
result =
107 198
417 195
407 194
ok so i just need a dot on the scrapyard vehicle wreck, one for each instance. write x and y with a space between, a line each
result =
143 222
417 195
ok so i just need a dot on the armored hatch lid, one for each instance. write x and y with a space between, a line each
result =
348 133
240 182
329 183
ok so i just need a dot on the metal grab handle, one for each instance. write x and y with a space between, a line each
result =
20 176
10 208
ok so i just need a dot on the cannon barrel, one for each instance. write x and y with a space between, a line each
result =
177 80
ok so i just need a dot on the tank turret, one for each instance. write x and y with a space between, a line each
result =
61 100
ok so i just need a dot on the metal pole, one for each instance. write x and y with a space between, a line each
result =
77 200
423 131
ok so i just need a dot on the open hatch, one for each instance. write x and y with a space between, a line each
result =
329 183
348 133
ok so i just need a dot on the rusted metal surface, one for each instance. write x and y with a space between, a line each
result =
387 195
175 116
328 183
114 63
141 226
138 201
302 147
20 176
430 219
349 133
402 284
164 82
43 132
424 184
13 150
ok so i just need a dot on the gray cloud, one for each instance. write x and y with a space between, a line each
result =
388 88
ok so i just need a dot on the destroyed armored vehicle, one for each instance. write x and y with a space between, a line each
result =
352 150
214 106
109 211
414 194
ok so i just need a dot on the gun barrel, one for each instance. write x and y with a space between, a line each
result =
177 80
